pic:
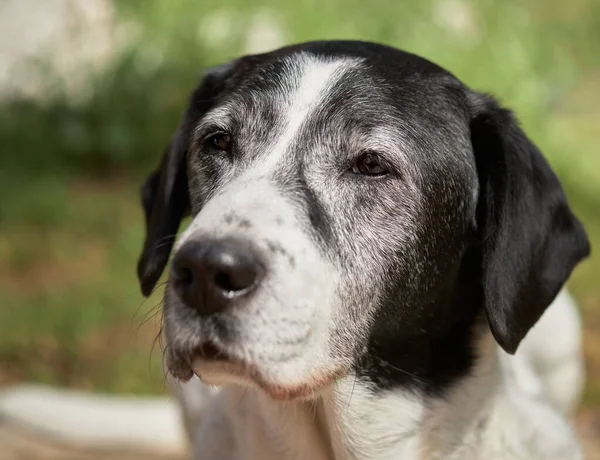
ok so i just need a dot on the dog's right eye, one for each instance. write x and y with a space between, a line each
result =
369 164
220 142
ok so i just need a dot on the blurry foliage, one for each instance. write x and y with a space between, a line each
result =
127 116
528 53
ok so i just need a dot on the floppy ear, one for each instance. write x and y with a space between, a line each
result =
531 241
149 189
165 195
165 201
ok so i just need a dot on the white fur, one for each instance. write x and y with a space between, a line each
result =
286 338
281 352
347 421
488 415
316 77
550 359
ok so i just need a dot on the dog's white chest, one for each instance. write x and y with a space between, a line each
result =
360 423
246 425
347 424
483 418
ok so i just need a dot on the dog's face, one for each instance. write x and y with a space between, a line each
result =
343 221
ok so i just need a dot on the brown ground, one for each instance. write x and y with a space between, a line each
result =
17 444
588 426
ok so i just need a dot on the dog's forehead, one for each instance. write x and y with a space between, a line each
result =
296 82
365 86
312 72
386 61
355 96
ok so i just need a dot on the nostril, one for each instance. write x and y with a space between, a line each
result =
235 281
224 282
185 275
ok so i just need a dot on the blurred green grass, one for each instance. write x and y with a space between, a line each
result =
70 224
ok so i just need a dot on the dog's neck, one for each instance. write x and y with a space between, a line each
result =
351 421
407 424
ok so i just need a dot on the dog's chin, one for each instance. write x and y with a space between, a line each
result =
222 373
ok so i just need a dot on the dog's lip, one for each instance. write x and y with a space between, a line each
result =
180 362
210 359
211 352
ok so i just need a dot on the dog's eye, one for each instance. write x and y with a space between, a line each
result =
219 141
369 164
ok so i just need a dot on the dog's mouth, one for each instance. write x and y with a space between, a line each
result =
215 366
211 352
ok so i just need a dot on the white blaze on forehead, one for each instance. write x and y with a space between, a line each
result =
308 80
312 80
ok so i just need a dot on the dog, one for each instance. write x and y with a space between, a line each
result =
371 243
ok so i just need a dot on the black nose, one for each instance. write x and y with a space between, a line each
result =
209 275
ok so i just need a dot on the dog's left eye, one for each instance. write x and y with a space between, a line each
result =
369 164
219 141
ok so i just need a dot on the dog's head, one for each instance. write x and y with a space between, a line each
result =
355 208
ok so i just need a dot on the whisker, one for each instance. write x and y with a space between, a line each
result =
241 397
163 240
390 365
164 358
150 315
351 392
157 339
161 245
158 286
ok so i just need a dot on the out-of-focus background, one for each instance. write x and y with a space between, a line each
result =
90 91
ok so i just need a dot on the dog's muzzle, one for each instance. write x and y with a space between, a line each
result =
211 276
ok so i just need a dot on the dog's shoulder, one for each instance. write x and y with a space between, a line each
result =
516 406
519 427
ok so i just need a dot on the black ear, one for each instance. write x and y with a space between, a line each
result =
531 241
149 190
165 195
166 202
